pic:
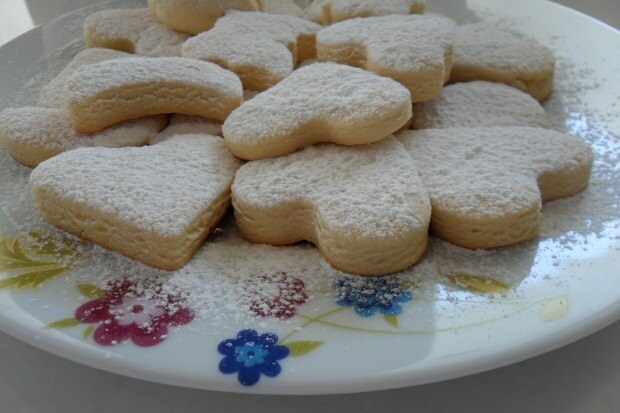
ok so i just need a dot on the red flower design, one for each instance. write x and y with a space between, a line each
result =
125 312
276 295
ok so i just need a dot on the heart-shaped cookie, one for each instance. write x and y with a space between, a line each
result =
333 11
32 135
485 52
261 48
105 93
415 50
134 31
479 104
321 102
365 206
155 204
487 185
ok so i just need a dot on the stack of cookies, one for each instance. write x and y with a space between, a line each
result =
356 125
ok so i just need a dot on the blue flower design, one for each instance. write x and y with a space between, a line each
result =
371 295
251 355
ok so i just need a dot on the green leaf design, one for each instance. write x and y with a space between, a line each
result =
89 290
88 331
21 270
391 319
303 347
32 277
64 323
477 283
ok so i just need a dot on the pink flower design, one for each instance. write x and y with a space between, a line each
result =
276 295
126 312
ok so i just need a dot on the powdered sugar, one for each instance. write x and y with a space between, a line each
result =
191 170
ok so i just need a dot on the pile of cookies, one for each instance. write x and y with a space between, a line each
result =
363 124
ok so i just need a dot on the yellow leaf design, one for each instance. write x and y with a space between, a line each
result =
300 348
88 331
64 323
39 262
391 319
477 283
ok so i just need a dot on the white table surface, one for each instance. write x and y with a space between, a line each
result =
581 377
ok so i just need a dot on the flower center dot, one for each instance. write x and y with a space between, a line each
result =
137 308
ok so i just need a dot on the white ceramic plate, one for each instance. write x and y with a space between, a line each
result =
456 313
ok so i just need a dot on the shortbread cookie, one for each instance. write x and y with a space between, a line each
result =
364 207
479 104
196 16
487 184
288 7
105 93
52 94
261 48
415 50
183 124
322 102
155 204
134 31
484 52
333 11
32 135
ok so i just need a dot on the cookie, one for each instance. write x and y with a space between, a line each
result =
487 185
155 204
479 104
183 124
364 207
105 93
484 52
32 135
414 50
288 7
134 31
52 94
196 16
333 11
261 48
321 102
